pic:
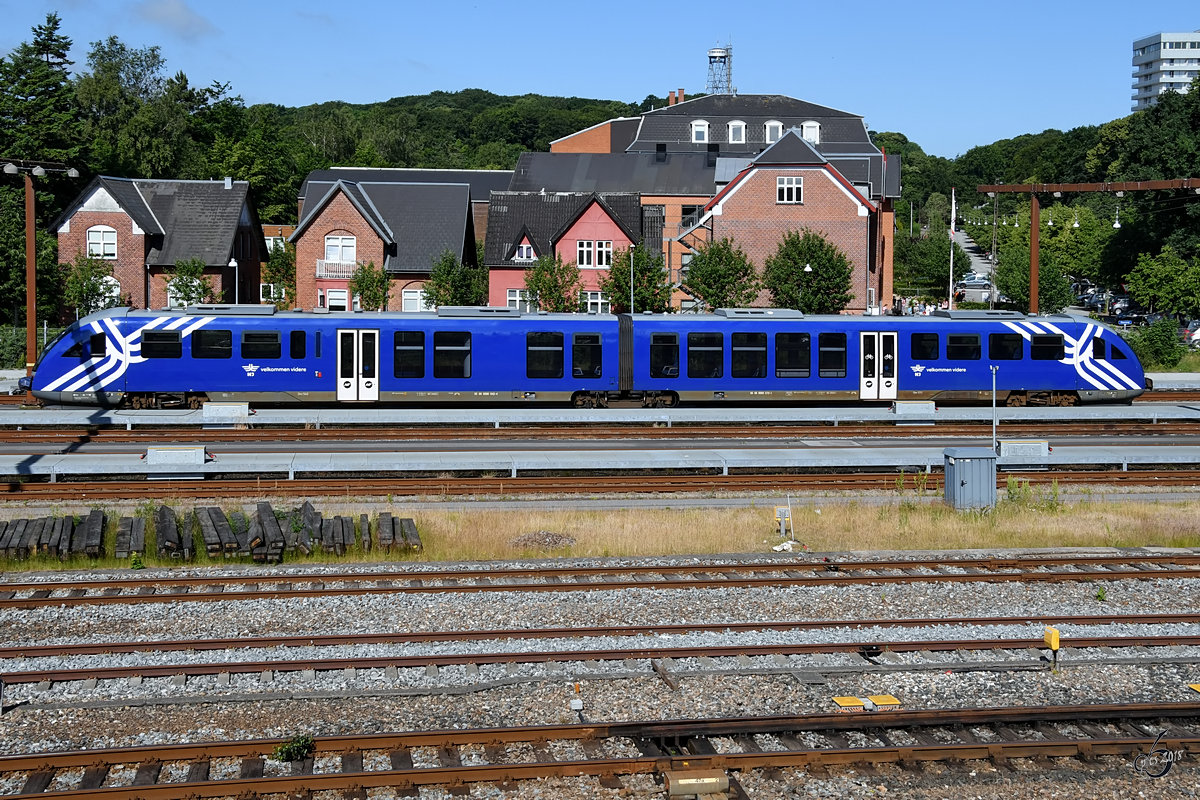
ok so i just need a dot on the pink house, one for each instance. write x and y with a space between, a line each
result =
584 228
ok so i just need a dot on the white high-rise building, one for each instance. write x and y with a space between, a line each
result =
1161 62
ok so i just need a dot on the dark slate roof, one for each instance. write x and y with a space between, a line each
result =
863 168
676 174
543 217
126 193
416 221
671 125
482 181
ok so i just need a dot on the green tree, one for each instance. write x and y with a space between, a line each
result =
89 285
650 290
553 284
823 289
1012 277
936 213
280 272
371 284
722 276
922 265
1157 345
187 286
452 283
1166 283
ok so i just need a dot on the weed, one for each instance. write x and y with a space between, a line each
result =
135 561
1101 594
297 748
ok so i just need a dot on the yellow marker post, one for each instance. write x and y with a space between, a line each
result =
1051 639
847 703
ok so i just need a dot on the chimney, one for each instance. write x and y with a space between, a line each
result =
671 98
679 96
228 182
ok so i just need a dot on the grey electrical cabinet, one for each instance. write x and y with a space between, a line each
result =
970 477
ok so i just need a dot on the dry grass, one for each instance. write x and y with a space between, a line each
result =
1031 519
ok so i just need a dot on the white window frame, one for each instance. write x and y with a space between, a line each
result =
811 131
699 131
604 253
340 297
584 250
595 302
271 241
737 132
772 127
102 242
412 301
344 249
266 293
519 299
789 190
524 252
173 300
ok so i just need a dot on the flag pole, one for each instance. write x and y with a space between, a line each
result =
950 300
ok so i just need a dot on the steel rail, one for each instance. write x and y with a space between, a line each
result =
574 656
560 579
689 731
416 637
370 486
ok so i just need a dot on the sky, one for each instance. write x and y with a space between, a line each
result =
949 75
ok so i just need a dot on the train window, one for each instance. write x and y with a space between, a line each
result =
316 344
963 347
831 355
586 355
664 355
1008 347
1098 349
793 355
1117 353
212 344
408 354
924 347
261 344
98 345
161 344
451 354
298 344
74 351
706 354
1047 347
544 354
749 355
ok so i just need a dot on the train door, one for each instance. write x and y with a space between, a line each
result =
877 368
358 364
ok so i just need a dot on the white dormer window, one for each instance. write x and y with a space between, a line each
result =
773 132
699 131
737 132
811 131
524 252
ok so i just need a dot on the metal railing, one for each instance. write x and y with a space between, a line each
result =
335 269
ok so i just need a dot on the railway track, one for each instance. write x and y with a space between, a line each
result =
418 637
445 486
35 594
660 657
72 437
608 751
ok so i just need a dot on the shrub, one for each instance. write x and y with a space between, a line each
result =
297 748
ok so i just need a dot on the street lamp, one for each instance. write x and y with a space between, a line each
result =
631 246
38 168
233 263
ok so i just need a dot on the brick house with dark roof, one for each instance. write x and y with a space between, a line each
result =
730 131
143 226
401 227
581 227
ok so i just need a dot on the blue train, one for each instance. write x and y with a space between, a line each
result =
144 359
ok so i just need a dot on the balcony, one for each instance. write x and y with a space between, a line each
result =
343 270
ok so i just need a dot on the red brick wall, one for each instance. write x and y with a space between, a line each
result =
221 280
752 218
338 217
129 268
592 140
479 218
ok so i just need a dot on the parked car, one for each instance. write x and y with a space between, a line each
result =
977 283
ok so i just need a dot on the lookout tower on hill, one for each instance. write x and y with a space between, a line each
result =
720 70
